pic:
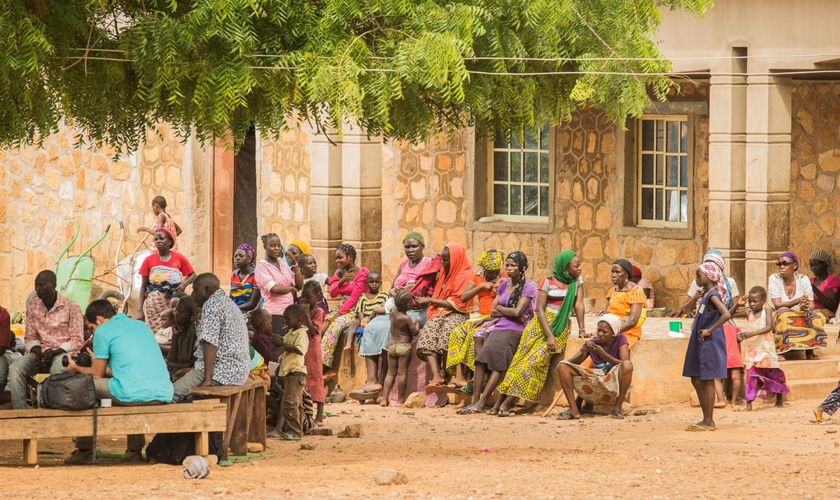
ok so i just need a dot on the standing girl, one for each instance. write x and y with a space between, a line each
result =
243 285
310 295
277 281
349 282
705 358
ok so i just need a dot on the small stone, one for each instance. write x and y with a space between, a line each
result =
640 412
408 412
351 431
831 431
389 476
307 446
255 448
415 400
320 431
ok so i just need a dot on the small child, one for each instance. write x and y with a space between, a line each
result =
705 358
399 346
292 367
309 270
314 375
369 305
764 377
164 335
261 322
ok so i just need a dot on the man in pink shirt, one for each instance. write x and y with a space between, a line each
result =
54 330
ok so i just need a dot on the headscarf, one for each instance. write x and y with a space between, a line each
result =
522 263
823 257
715 257
637 273
304 248
249 251
791 256
491 260
612 320
561 274
186 339
414 235
626 265
716 276
166 233
452 283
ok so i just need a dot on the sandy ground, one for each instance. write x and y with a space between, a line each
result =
768 453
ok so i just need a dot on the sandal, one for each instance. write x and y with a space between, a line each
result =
467 389
698 428
504 412
363 394
469 410
567 415
493 411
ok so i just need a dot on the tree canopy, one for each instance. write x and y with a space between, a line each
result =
399 69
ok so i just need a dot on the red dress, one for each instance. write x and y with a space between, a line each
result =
312 359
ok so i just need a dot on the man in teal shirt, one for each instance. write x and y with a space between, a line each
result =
128 368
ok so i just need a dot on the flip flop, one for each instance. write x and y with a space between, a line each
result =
469 410
819 420
435 387
467 389
698 428
567 415
504 412
363 394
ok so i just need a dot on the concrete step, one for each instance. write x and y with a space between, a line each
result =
825 367
811 388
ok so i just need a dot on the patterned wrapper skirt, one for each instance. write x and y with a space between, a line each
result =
434 337
529 369
260 374
330 337
594 386
799 330
461 349
764 383
499 348
156 303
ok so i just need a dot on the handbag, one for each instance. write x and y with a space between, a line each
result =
67 391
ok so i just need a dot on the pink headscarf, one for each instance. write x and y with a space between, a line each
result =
715 275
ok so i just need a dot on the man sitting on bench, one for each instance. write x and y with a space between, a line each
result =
222 355
54 329
128 368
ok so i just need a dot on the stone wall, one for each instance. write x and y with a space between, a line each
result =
429 187
283 187
46 191
814 167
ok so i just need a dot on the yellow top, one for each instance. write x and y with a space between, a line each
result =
294 362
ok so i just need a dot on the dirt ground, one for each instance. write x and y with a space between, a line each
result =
767 453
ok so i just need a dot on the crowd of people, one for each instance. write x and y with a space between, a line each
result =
493 332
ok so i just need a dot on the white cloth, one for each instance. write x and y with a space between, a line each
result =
776 289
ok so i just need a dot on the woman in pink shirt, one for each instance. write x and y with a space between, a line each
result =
348 282
277 281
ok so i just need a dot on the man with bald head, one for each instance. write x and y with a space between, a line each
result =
54 329
222 355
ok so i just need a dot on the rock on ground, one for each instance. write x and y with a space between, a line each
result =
255 448
389 476
351 431
415 400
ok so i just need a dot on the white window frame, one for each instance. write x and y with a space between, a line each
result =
491 150
687 154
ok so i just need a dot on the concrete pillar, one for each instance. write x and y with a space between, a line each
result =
325 219
361 196
768 175
727 162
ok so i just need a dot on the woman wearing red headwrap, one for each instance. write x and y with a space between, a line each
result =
446 309
164 273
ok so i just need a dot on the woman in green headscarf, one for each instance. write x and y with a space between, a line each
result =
538 353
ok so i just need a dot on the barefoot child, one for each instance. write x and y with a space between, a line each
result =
292 367
310 295
262 323
705 358
369 305
399 346
764 377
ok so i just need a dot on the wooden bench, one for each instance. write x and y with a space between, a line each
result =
245 414
201 418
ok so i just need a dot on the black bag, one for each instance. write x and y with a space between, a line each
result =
174 448
67 391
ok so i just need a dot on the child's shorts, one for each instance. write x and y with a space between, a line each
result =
399 350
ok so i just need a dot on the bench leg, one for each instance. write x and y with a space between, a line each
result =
30 451
256 431
239 434
202 444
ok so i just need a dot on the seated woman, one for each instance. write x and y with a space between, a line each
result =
181 357
514 308
538 354
626 300
824 284
466 340
607 382
349 282
798 327
243 285
446 309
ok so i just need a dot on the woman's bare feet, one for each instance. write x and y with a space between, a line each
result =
374 387
749 406
720 404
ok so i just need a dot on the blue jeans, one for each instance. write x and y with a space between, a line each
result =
25 367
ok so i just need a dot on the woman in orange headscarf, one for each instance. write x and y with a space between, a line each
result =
446 309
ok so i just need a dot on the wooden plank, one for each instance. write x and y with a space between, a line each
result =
30 451
198 406
202 443
239 433
224 390
256 430
117 425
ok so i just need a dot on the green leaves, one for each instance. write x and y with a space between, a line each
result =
400 69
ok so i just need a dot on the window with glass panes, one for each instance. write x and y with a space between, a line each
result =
521 174
663 171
